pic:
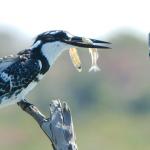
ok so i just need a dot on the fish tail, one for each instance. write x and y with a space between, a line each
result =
94 68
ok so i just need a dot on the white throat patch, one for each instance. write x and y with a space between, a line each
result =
53 50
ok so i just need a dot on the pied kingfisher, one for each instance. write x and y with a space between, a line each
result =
20 73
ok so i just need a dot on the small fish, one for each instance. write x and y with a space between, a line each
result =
75 58
94 56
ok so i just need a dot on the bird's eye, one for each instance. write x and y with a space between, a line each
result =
48 38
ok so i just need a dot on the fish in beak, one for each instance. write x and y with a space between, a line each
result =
87 43
92 45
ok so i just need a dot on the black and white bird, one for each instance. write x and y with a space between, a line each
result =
20 73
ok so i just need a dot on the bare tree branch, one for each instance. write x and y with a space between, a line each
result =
58 127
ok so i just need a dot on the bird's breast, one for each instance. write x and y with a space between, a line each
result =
30 87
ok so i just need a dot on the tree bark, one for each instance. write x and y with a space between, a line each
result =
58 127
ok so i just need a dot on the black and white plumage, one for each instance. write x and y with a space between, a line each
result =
20 73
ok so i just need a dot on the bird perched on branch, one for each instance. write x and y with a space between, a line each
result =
20 73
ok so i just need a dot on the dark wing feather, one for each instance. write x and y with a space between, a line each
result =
7 61
21 70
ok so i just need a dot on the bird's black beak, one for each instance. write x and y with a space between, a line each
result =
87 43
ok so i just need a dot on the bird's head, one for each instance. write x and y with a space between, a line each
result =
53 43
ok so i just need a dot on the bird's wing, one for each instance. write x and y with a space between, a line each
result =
7 61
17 73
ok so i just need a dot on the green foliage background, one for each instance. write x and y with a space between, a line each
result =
111 108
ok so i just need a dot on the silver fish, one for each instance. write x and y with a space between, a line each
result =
94 56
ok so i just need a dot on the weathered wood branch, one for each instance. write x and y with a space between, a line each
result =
58 127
